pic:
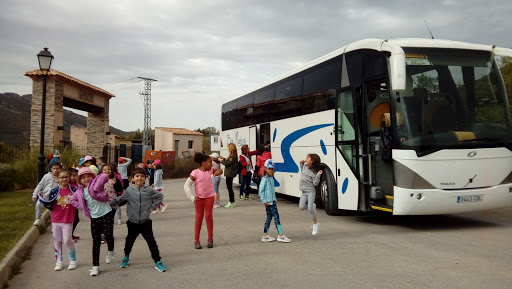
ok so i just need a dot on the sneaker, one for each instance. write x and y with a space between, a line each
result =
37 222
125 262
233 205
119 222
95 271
247 197
210 243
283 239
109 257
197 244
229 205
160 267
267 239
72 265
241 197
162 209
216 205
315 228
58 266
103 239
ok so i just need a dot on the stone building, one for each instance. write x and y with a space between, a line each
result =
183 141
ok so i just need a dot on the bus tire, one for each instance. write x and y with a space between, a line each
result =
328 192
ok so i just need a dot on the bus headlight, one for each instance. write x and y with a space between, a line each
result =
407 179
507 180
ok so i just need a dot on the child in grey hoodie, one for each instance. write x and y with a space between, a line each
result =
142 199
309 178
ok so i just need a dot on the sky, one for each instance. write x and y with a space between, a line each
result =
205 53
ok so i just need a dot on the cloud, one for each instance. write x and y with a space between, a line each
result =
204 53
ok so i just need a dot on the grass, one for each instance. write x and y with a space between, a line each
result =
16 217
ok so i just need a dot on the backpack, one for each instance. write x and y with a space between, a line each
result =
239 168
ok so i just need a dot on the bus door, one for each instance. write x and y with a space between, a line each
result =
377 163
253 140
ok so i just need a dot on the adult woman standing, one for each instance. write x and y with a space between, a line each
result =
230 166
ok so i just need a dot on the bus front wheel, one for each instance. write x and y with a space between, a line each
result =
328 192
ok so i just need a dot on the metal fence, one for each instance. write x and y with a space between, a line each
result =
70 153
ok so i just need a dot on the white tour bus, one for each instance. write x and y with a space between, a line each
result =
408 126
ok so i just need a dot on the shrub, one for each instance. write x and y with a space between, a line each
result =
26 169
182 168
7 173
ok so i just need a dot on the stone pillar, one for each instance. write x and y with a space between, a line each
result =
52 103
96 133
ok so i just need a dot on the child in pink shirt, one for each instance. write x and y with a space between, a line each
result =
204 195
63 216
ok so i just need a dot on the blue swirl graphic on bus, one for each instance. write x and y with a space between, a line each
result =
288 165
344 186
322 145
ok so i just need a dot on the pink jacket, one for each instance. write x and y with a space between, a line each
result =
78 201
97 188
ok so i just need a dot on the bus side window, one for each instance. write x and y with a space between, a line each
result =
288 95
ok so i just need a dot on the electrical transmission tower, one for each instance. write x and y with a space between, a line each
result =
145 96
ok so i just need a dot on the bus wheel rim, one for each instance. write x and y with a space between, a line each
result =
324 193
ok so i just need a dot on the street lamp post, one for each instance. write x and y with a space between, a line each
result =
45 62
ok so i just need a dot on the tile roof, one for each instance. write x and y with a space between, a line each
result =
55 73
179 130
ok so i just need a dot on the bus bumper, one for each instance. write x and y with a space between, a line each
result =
432 202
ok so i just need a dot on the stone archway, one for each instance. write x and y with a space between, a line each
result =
64 90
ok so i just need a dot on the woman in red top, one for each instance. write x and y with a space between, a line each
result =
247 170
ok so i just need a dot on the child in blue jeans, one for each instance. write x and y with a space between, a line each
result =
267 194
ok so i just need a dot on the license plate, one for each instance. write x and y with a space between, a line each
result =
469 199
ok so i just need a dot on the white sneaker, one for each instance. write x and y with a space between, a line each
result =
72 265
95 271
58 266
109 257
162 209
315 228
283 239
268 239
119 222
37 222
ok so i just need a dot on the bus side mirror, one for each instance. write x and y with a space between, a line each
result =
397 71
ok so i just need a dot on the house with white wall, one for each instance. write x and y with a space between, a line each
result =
183 141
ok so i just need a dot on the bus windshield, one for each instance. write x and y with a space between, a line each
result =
453 99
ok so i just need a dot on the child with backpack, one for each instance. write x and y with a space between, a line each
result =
63 216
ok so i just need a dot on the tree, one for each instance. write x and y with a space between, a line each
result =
208 131
206 137
505 65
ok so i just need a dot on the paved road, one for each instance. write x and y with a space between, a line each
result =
355 251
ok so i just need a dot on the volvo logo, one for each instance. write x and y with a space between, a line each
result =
471 154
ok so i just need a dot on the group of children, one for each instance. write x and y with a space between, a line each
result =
207 194
100 194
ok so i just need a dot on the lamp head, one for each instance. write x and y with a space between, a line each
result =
45 58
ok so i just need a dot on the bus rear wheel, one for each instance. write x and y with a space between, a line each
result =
328 192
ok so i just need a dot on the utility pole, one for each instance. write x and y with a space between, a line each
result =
145 96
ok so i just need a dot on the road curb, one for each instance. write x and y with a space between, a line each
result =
17 254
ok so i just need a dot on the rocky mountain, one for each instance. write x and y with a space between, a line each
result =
15 119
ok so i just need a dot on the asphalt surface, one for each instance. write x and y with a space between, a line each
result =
351 251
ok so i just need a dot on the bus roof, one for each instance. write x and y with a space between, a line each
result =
376 44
